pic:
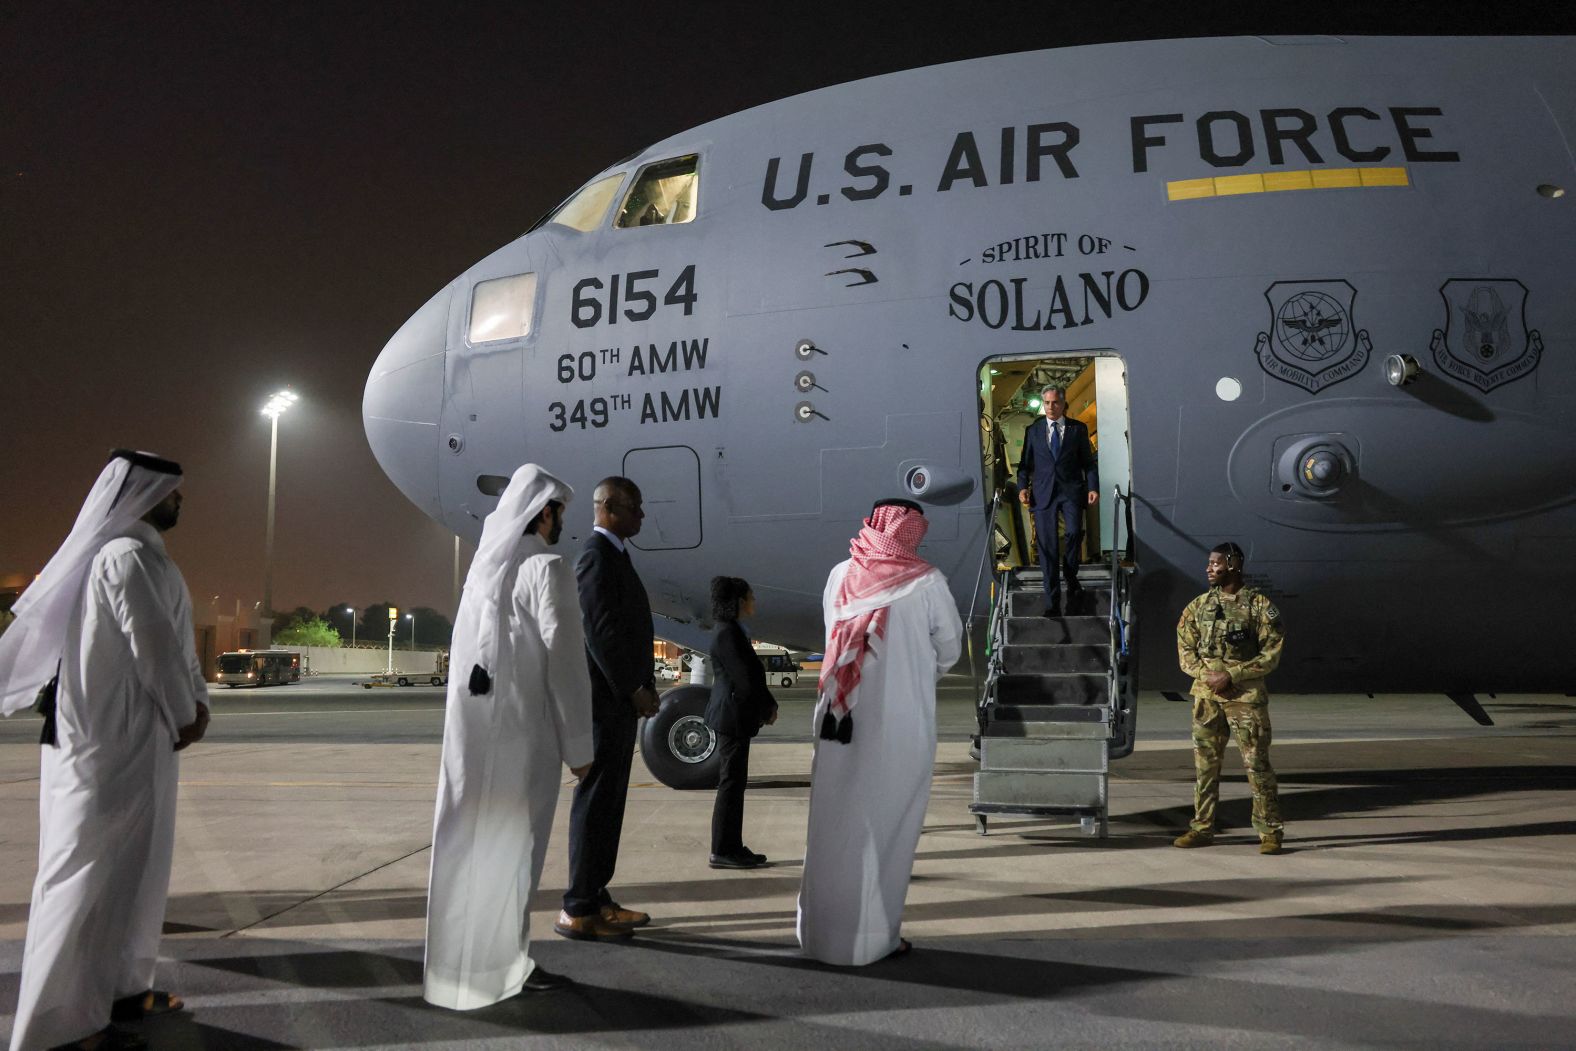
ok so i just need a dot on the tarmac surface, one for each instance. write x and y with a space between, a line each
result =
1426 897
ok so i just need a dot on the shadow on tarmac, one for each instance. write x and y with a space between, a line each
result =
1351 793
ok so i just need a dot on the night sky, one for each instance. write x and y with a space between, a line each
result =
204 203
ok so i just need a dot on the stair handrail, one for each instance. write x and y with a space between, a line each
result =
1117 634
994 635
987 690
990 537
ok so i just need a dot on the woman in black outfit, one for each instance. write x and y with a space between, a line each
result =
740 705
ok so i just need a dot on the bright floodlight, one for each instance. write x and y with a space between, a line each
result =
279 403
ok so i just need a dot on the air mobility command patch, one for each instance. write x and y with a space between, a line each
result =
1312 341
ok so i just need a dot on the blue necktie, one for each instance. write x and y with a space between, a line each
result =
1056 442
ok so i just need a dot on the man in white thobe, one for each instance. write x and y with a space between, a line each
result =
519 708
892 632
103 648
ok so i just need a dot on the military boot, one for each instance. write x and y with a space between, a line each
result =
1270 843
1193 838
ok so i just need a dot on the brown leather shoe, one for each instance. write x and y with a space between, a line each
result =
619 916
591 928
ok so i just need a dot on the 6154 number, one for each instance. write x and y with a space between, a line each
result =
638 302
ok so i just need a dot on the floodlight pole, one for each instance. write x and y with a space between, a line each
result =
272 409
268 543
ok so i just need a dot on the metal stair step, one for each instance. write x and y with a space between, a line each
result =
1048 730
1025 576
1030 602
1030 631
1036 688
1040 788
1049 713
1056 659
1083 755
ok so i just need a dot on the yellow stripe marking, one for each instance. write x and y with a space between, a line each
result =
1334 178
1288 181
1227 185
1187 189
1275 181
1383 176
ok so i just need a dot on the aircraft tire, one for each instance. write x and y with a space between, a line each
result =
678 747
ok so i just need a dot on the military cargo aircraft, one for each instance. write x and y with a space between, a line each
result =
1313 295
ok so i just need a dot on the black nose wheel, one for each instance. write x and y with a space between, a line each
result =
679 748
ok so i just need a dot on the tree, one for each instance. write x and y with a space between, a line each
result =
311 630
335 614
375 623
432 627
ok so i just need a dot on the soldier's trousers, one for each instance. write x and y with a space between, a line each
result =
1213 723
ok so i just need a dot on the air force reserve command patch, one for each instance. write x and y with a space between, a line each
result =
1312 341
1486 341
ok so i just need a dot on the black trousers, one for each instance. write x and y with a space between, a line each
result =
727 815
1052 567
596 816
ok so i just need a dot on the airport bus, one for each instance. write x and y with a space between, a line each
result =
259 667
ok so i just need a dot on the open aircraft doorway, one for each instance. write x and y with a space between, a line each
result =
1059 700
1095 382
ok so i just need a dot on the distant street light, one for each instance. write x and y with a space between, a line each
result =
273 408
352 612
412 618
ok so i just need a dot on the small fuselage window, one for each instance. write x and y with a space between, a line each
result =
502 309
664 192
586 209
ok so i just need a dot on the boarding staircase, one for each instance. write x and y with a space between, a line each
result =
1059 698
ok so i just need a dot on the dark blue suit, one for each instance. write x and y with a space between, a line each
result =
1059 485
740 703
617 618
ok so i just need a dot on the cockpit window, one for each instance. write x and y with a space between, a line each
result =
502 308
586 209
664 192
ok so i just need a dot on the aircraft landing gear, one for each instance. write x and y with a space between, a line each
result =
679 748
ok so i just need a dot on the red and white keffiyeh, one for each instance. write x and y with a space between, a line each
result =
884 566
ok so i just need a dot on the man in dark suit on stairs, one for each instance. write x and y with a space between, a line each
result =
617 617
1057 477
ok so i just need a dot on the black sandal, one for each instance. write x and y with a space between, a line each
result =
145 1005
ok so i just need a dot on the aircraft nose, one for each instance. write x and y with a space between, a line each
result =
403 398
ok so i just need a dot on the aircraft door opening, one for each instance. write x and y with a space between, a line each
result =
1009 392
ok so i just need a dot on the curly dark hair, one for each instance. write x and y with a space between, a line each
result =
727 595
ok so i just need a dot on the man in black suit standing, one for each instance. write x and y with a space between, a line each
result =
617 618
1057 477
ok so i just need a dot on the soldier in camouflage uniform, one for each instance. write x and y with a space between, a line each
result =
1228 640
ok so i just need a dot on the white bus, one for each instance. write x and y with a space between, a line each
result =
259 667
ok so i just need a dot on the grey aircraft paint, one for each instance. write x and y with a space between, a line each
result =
1284 213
